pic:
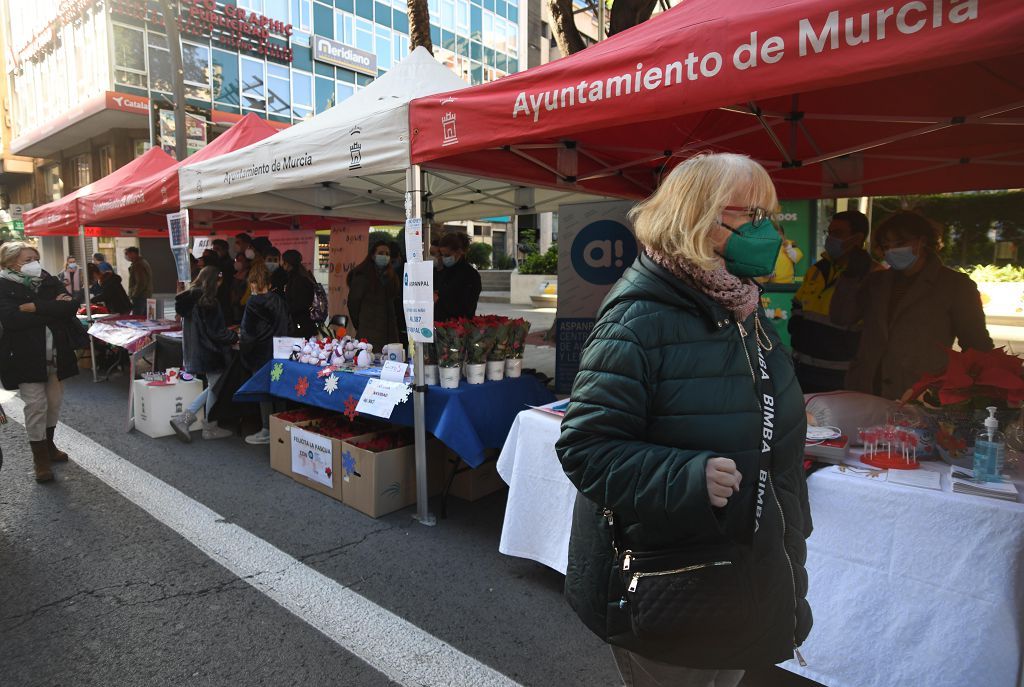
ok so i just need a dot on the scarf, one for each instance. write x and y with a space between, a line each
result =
19 278
740 297
72 281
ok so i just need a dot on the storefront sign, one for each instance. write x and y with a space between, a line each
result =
195 133
234 27
418 300
345 56
596 245
136 104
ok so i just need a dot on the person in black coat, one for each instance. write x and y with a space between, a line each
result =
278 276
207 343
265 317
36 351
298 294
457 287
113 296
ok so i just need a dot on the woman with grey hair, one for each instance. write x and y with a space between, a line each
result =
36 350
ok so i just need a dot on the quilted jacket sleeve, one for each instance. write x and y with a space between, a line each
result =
603 447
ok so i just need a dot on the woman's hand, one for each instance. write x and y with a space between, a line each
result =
64 297
723 480
27 307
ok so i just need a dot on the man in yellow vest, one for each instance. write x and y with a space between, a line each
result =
822 351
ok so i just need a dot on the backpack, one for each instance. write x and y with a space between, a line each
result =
318 308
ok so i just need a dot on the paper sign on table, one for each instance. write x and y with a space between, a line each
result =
311 456
418 300
394 371
926 479
283 346
414 240
380 397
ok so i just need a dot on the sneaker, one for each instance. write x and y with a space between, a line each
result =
211 430
181 423
260 437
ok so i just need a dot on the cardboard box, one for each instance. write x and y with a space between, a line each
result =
380 483
281 452
154 406
472 484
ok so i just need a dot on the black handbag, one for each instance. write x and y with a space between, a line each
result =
671 602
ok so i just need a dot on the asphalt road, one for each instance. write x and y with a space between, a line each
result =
95 590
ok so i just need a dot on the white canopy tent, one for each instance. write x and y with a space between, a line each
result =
351 161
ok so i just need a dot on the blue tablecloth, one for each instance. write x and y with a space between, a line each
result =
468 420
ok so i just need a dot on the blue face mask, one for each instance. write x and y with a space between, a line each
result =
835 247
382 260
448 260
901 258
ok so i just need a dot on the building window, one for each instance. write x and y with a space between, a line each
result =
129 56
139 147
225 77
344 27
278 90
302 95
81 171
383 48
196 62
343 91
302 15
276 9
53 187
254 82
401 47
159 63
106 160
364 34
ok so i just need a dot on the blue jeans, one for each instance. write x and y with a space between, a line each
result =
208 397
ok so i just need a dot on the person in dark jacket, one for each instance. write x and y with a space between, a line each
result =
239 288
265 317
373 290
227 269
113 295
36 350
298 294
665 438
457 286
912 312
207 343
278 277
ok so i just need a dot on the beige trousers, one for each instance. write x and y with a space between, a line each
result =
42 405
637 671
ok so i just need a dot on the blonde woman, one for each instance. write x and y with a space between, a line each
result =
685 438
36 351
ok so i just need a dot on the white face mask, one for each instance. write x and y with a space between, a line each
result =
32 269
271 266
250 253
72 266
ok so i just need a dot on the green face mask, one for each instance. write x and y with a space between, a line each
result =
751 251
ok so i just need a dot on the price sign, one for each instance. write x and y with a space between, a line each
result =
418 300
380 397
414 240
394 371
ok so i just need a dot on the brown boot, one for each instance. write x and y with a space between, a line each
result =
41 460
56 455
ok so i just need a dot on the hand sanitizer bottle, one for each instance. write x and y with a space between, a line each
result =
989 450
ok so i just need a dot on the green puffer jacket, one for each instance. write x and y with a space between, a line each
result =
664 385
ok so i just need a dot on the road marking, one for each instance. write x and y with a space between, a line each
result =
395 647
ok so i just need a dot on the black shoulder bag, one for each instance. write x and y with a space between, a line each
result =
692 606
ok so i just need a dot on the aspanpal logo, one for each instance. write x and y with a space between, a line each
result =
602 251
345 56
448 129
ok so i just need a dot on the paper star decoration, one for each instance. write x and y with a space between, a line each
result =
331 385
348 463
275 373
324 371
350 407
301 386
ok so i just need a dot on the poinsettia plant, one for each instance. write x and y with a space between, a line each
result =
973 379
501 328
478 343
449 338
519 329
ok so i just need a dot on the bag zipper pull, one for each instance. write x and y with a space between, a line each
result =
799 656
609 516
743 330
632 583
626 561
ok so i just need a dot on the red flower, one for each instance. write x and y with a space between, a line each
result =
988 376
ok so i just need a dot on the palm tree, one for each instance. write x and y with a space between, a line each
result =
419 25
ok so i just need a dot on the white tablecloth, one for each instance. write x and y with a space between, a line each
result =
908 586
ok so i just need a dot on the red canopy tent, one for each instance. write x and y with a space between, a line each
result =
841 98
65 216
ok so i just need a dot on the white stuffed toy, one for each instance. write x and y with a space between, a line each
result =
365 357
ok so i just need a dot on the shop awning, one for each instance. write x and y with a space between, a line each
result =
845 98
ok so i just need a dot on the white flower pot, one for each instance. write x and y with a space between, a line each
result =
514 367
430 374
476 373
495 370
449 377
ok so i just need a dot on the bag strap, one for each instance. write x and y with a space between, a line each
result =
766 399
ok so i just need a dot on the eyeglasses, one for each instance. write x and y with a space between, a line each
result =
758 216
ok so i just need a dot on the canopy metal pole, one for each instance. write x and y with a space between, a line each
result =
88 303
413 210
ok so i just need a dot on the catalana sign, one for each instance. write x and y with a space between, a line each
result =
234 27
344 56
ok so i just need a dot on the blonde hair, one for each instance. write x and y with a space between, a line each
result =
9 252
677 219
259 276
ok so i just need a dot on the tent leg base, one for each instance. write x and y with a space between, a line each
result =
429 520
